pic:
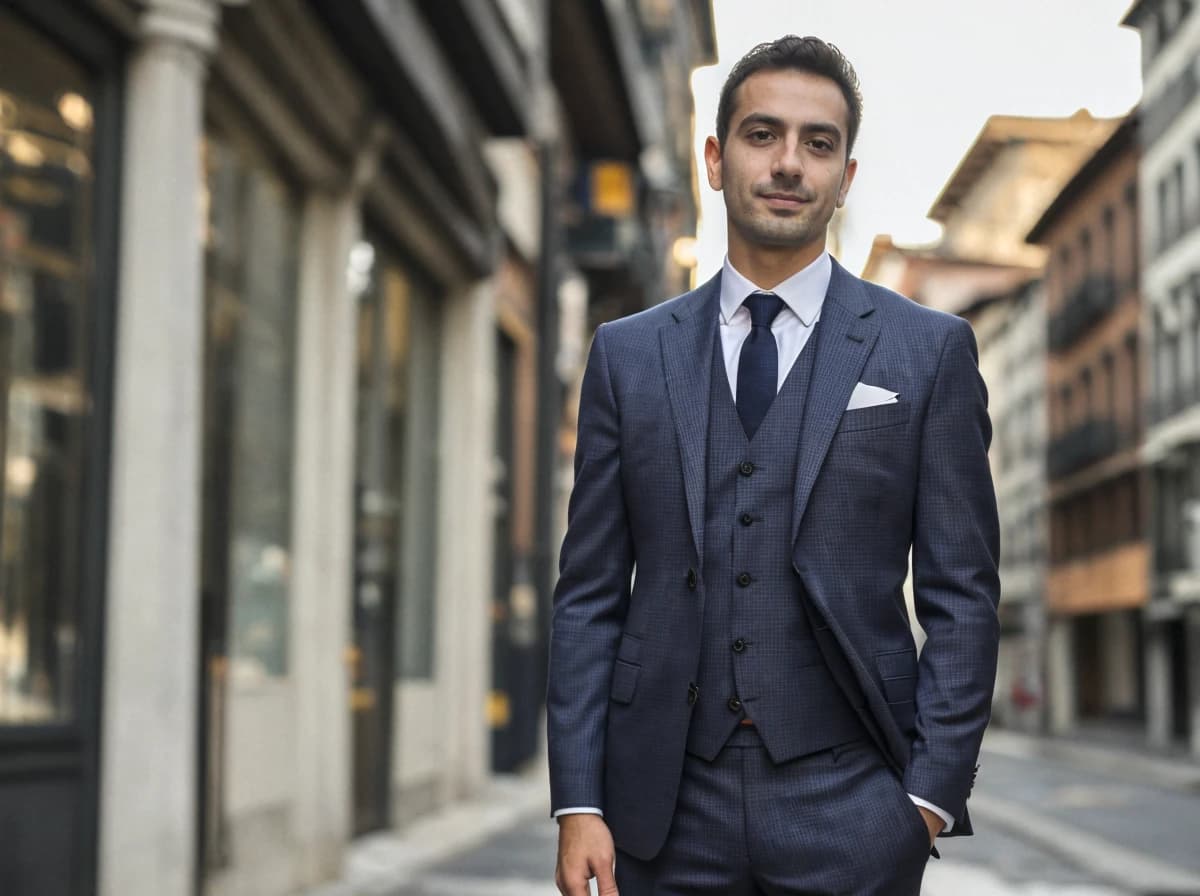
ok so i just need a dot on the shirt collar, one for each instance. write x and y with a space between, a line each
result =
803 292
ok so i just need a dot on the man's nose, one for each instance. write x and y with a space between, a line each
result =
788 161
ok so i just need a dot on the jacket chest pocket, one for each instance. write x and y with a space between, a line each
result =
878 417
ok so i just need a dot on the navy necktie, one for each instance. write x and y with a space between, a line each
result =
758 367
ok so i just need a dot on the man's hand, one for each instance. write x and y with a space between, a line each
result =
934 822
585 850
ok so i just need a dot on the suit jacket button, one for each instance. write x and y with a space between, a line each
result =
739 645
746 468
693 694
692 578
746 519
734 704
744 579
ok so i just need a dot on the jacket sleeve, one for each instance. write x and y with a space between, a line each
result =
591 597
956 588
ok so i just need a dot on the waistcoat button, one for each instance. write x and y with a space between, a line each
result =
734 704
739 645
745 468
744 579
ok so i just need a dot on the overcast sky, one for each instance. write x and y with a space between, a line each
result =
932 71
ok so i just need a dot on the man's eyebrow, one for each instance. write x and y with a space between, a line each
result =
754 118
822 127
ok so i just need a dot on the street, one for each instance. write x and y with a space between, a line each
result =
1081 822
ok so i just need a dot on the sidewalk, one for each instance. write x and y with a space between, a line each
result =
1129 817
1054 818
383 863
1130 763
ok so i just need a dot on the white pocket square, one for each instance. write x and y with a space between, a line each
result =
865 396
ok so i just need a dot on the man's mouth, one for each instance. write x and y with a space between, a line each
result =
786 198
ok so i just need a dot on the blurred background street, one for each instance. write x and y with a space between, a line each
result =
295 297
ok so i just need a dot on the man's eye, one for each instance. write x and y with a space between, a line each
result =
822 145
760 135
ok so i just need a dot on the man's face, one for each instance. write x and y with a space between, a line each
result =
783 168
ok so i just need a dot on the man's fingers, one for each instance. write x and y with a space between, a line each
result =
572 884
606 883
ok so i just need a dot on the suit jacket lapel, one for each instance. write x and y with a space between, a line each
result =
687 351
844 338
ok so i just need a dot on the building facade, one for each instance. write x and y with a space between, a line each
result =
1169 180
983 270
1099 553
289 321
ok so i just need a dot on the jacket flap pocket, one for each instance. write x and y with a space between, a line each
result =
897 664
624 681
630 648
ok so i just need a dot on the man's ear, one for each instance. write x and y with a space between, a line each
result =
847 179
712 162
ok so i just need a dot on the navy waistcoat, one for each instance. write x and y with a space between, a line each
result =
758 659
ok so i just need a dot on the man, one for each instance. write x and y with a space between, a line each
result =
736 702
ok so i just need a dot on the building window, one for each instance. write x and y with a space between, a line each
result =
251 242
47 162
1196 201
1170 352
1064 275
1065 418
1135 236
1085 245
1110 243
1108 366
396 480
1134 379
1180 200
1161 27
1164 214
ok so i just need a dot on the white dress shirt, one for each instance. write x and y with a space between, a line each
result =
803 293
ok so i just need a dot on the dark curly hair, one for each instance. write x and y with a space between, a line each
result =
804 54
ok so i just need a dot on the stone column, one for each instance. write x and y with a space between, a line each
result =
323 536
148 812
1192 621
1060 675
464 588
1158 685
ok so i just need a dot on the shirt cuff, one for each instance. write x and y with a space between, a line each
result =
579 810
936 810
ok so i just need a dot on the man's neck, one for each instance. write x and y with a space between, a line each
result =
766 268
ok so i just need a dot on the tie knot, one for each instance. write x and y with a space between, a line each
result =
763 306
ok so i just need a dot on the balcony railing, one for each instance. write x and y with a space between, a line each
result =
1085 444
1095 298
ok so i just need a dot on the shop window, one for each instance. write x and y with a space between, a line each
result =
398 418
250 244
46 263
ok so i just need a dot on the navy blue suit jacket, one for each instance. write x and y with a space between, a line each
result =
871 484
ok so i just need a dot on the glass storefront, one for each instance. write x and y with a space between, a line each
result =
251 238
395 511
250 357
46 278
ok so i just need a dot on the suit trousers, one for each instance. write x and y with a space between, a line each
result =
833 822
